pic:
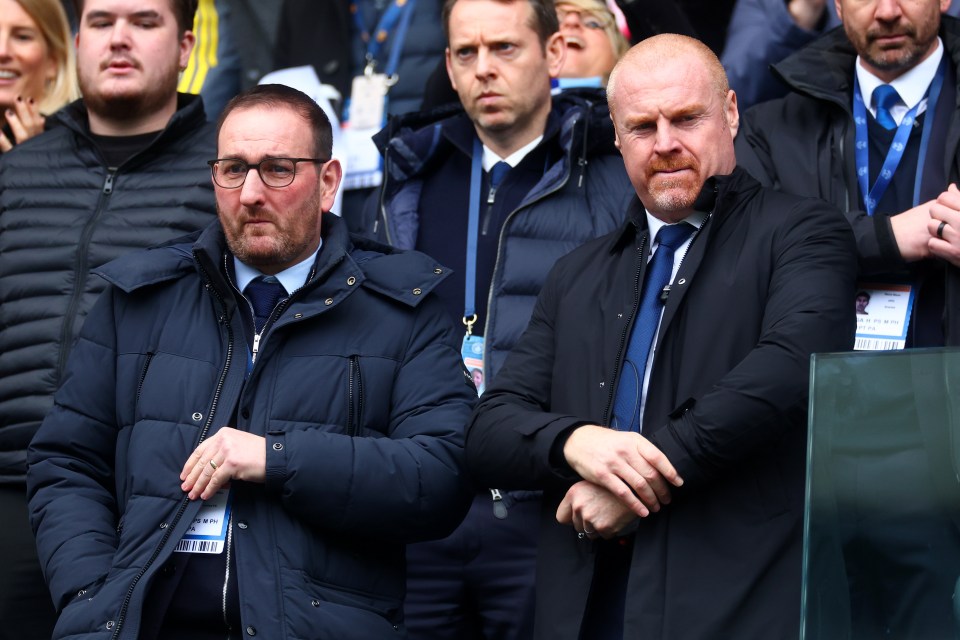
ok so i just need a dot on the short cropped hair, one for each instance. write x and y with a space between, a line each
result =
276 96
545 21
183 10
667 46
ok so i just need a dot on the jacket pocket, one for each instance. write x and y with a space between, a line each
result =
143 375
379 604
354 396
341 612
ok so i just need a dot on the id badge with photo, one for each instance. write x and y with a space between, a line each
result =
472 353
883 315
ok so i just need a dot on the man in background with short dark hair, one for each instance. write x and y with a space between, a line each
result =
499 191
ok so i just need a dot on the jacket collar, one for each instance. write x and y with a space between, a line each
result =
188 117
718 198
584 131
406 277
579 118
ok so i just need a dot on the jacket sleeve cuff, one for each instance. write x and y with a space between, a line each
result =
558 463
276 471
886 240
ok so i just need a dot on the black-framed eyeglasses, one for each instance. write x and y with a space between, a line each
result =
231 173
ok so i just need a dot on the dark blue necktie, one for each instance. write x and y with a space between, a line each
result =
885 98
626 405
497 173
264 293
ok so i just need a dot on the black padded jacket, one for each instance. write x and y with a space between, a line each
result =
64 212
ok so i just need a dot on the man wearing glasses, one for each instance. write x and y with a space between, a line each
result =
267 413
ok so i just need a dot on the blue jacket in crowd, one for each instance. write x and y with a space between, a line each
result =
583 195
358 389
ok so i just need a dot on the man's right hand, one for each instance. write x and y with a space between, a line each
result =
910 230
626 464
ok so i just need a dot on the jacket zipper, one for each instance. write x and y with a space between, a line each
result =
354 395
121 615
496 264
143 375
66 333
491 198
226 577
499 508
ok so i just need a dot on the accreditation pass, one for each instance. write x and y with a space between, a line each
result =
208 531
883 316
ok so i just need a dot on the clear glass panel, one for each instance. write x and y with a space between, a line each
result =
882 528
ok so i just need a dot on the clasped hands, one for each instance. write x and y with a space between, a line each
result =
227 455
624 477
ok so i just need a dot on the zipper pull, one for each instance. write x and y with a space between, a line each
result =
491 195
499 509
256 347
108 183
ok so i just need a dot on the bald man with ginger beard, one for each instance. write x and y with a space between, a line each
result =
663 411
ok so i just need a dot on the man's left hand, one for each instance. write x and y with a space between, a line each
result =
594 511
229 455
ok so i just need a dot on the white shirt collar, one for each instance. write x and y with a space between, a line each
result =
292 278
697 218
490 158
912 86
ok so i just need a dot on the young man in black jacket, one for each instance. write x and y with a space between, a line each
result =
119 169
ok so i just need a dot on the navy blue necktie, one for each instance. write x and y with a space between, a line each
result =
264 294
626 405
497 173
885 98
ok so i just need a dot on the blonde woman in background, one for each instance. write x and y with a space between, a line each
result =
593 41
37 69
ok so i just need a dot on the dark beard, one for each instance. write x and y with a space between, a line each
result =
124 108
130 107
